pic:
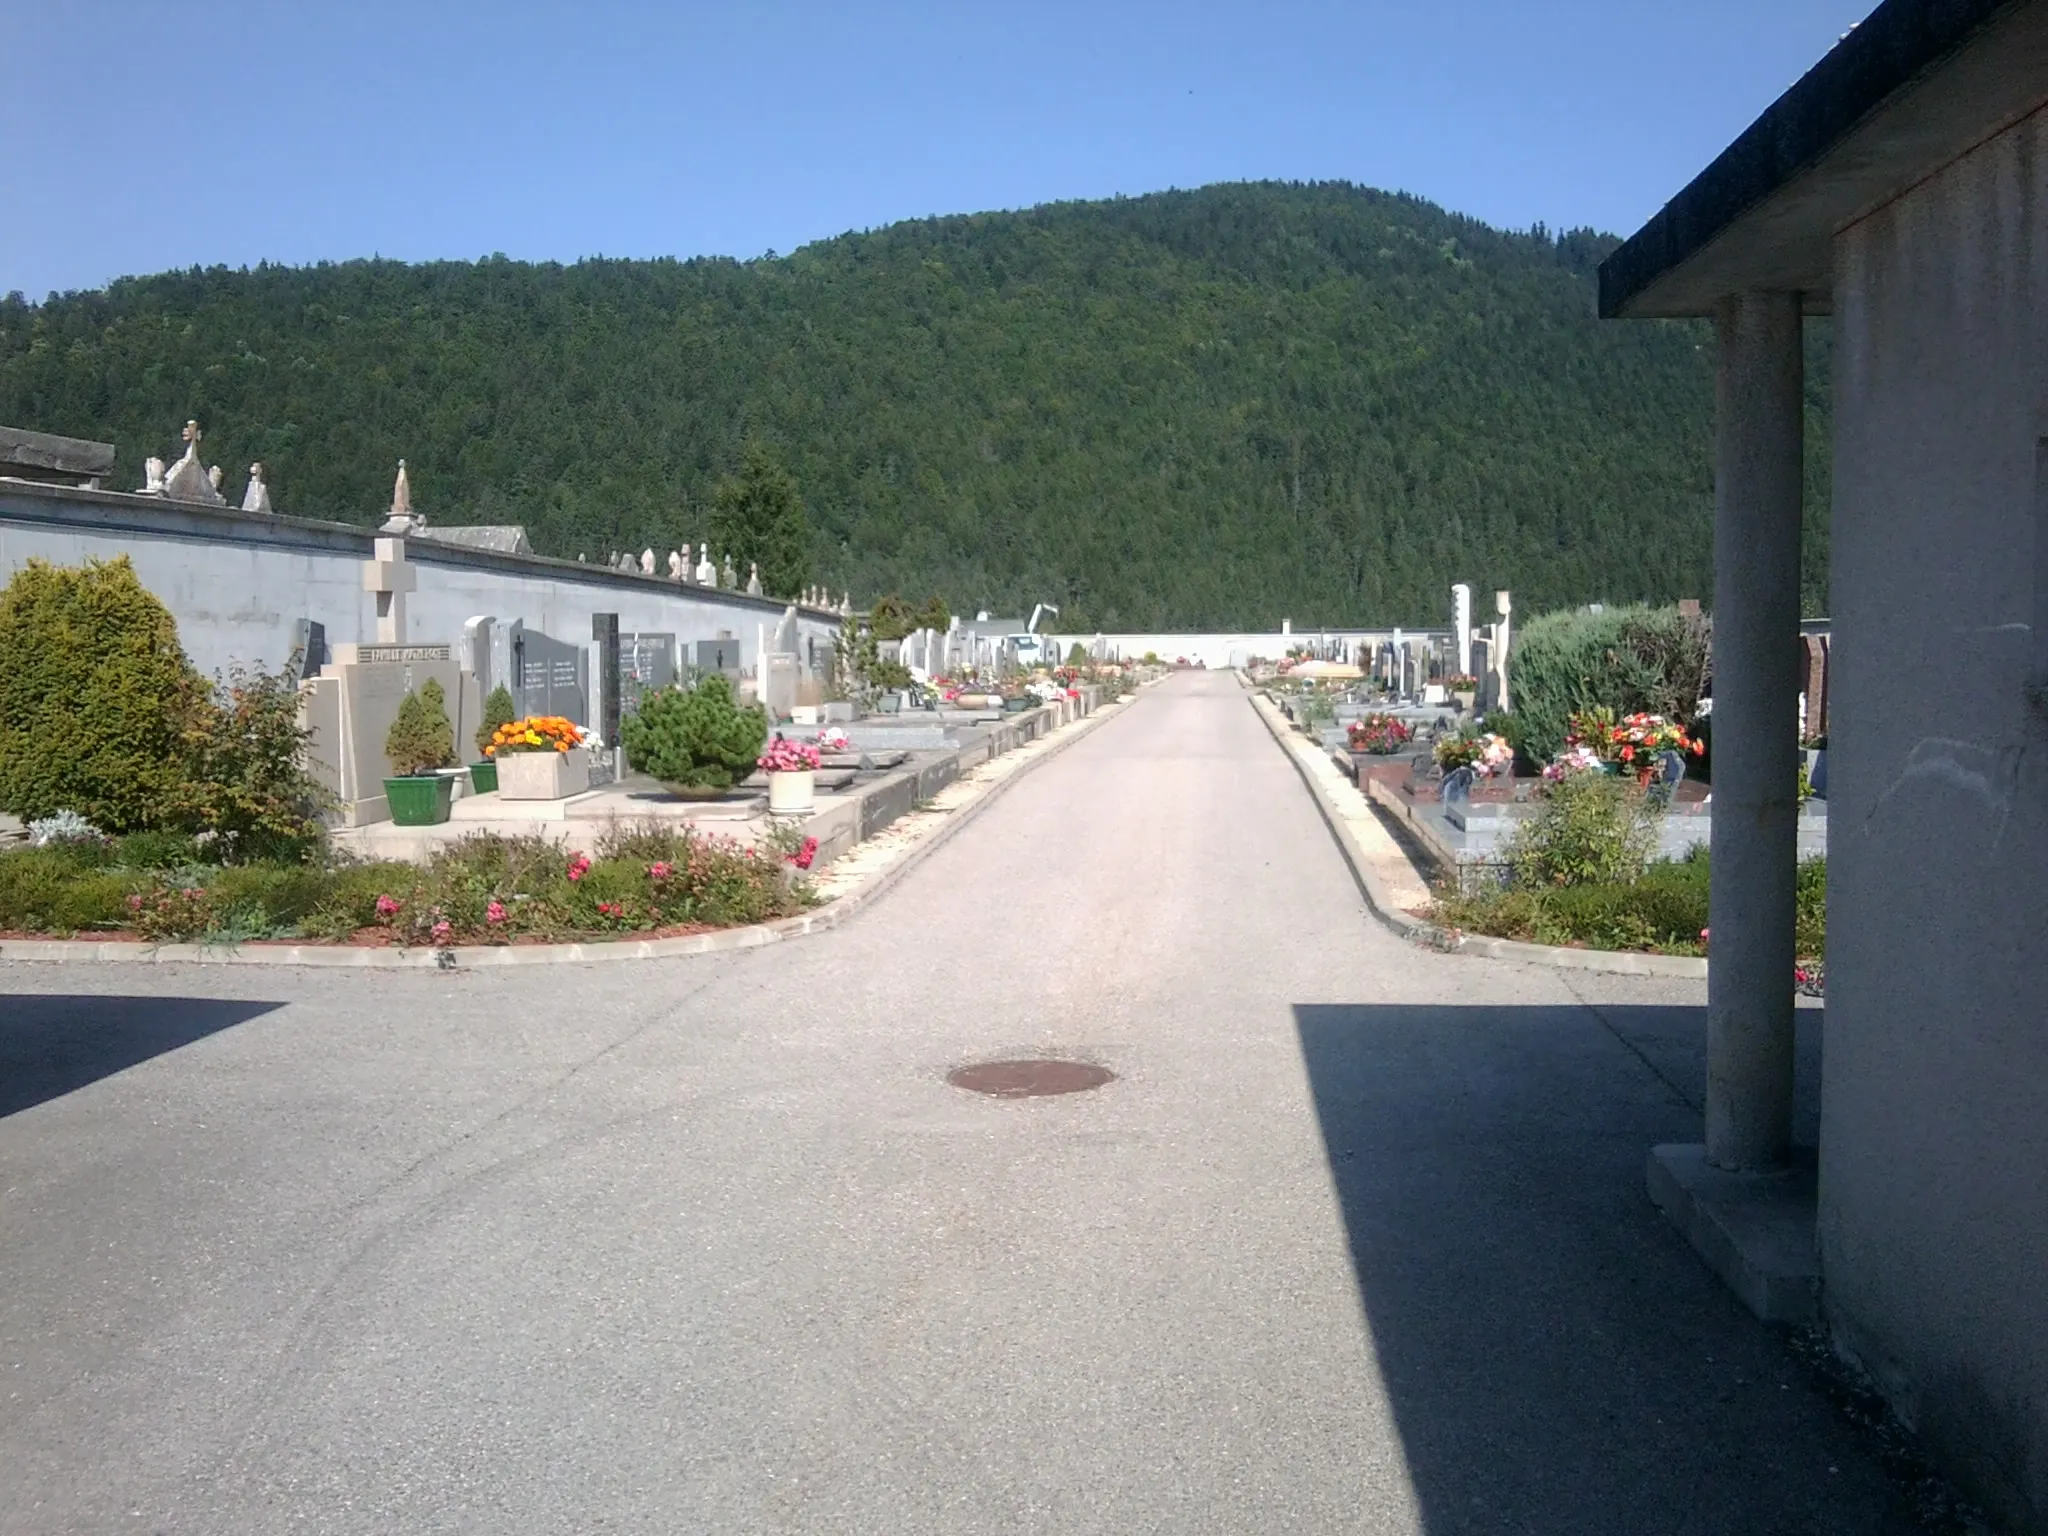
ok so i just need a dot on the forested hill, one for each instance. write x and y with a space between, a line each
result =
1217 407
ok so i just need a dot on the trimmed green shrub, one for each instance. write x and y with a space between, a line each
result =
698 738
51 890
421 739
96 698
498 710
1628 659
1590 828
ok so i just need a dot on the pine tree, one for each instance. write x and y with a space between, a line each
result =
759 516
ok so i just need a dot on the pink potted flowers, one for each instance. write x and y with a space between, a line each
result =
790 766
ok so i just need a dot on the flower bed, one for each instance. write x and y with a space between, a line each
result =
483 889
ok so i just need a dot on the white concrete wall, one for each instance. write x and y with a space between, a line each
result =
238 583
1934 1141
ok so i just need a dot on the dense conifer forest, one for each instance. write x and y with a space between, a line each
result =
1191 409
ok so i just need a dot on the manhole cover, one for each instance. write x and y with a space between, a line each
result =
1029 1079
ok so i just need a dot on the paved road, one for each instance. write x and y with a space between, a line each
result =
1355 1242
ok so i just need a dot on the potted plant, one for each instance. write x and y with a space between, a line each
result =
791 767
1464 688
421 741
540 758
499 711
698 741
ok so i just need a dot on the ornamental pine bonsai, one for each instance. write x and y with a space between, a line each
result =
421 738
498 710
696 738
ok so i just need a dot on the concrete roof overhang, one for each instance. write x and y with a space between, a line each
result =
1917 84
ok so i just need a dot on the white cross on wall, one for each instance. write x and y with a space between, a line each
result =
390 577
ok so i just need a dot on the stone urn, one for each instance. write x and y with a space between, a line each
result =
792 792
543 775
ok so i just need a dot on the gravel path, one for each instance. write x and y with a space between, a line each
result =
1356 1241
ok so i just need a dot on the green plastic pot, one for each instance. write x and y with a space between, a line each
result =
483 777
419 802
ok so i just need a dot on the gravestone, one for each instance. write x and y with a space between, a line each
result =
550 676
1457 786
1488 697
1664 781
604 637
647 662
721 655
309 648
349 707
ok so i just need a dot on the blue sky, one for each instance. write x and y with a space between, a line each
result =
142 137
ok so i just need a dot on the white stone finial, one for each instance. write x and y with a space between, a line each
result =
707 573
646 562
728 578
257 497
675 565
187 479
152 477
214 477
753 578
402 519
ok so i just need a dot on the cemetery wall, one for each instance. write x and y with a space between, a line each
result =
1934 1179
241 584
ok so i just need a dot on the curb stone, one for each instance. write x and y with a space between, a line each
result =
1618 962
476 956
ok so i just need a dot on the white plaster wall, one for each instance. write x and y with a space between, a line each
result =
1934 1140
238 585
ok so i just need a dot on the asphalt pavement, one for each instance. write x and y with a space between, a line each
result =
1355 1240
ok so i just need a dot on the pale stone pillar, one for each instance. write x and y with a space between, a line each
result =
1759 402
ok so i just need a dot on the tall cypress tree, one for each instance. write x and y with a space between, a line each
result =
759 516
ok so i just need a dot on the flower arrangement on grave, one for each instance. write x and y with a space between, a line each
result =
1381 735
1573 759
833 739
536 733
1485 755
1463 682
1631 743
786 756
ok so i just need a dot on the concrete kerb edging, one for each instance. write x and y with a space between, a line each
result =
1616 962
461 957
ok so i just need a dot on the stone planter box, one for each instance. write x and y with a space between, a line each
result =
543 775
792 792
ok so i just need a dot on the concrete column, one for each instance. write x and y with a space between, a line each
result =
1759 401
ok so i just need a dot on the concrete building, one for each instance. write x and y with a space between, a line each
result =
1902 188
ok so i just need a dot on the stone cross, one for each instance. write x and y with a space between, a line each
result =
390 577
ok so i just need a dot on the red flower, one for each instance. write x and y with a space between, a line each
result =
579 867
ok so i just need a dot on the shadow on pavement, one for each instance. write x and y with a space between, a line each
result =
1556 1357
52 1044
